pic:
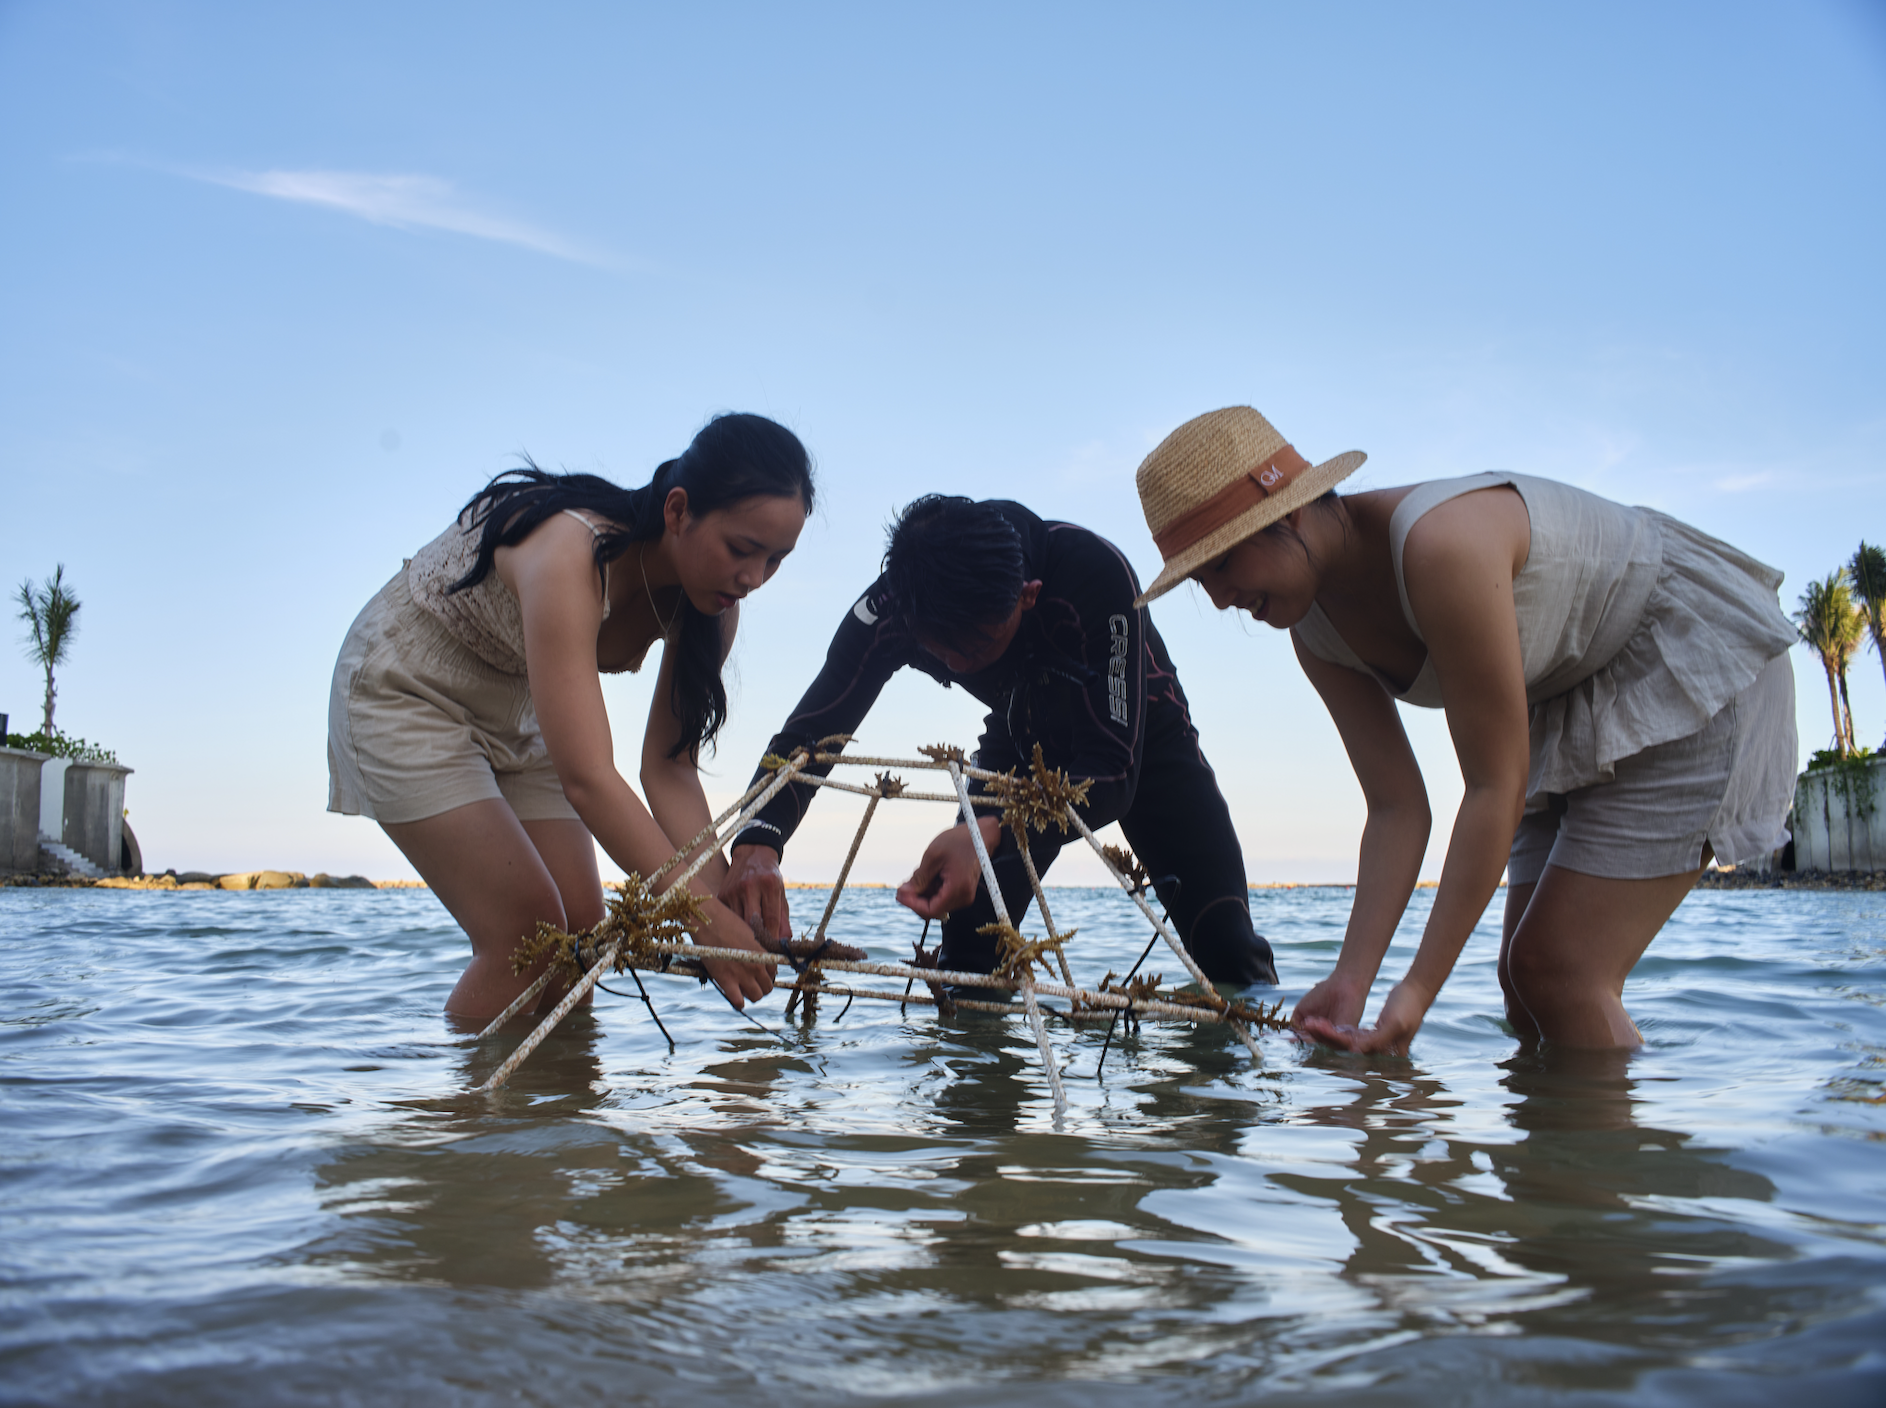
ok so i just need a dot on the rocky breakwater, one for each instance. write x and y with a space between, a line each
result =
246 880
1792 880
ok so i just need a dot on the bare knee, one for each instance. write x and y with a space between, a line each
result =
1514 1003
1568 1003
497 932
1540 985
584 911
1518 1016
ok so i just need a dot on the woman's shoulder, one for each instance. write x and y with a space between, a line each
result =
564 543
1417 501
1471 517
1539 494
569 526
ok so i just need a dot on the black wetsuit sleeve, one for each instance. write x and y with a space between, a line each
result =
865 652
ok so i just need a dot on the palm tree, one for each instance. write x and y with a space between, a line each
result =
1867 572
1831 627
52 612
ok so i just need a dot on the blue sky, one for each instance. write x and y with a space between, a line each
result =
283 285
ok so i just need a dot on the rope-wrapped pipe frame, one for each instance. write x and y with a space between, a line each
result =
646 927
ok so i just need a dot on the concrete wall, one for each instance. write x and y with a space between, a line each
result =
94 813
1840 818
19 809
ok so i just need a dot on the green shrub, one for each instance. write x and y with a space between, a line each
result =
1851 776
61 745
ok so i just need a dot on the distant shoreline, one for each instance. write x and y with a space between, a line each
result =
203 881
241 882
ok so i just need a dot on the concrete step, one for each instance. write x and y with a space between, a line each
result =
55 855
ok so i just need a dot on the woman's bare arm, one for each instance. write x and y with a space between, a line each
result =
1394 839
673 785
558 592
1459 562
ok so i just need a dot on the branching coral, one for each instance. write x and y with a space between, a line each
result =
637 920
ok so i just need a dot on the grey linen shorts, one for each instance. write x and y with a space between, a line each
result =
417 724
1729 785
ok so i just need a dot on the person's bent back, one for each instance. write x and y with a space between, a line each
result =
1035 619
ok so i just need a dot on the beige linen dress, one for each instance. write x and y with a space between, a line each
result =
430 703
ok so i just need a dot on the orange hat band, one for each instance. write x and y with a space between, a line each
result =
1247 491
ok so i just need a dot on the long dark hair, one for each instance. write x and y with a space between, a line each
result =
735 456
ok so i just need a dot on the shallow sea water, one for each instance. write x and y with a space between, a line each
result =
241 1166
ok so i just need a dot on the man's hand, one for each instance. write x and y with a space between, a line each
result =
756 891
947 876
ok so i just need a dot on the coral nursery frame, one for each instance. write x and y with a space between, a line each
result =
645 929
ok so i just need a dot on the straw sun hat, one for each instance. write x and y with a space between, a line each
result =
1218 479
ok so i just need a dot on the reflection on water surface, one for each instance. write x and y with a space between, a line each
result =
243 1166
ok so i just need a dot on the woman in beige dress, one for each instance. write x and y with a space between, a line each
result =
1615 683
467 715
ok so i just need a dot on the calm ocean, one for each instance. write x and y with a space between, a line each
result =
240 1166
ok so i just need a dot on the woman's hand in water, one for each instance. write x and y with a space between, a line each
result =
1394 1029
741 982
1333 1002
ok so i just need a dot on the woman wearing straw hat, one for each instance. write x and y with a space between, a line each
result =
1615 683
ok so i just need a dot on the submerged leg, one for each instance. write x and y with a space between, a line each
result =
1577 939
498 876
1517 898
1180 828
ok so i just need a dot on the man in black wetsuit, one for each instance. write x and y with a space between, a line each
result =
1036 620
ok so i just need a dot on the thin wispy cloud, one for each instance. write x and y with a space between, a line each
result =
403 203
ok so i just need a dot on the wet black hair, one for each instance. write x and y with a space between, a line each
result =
734 457
954 567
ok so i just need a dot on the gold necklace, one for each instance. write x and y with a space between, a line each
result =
641 561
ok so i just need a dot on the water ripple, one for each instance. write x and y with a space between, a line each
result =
244 1164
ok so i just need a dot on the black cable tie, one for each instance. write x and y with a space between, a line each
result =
742 1012
649 1003
1145 954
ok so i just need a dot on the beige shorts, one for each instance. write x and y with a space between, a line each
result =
1729 785
417 724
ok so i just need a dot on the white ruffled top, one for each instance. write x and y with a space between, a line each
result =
1635 629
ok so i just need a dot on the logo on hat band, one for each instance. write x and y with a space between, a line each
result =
1247 491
